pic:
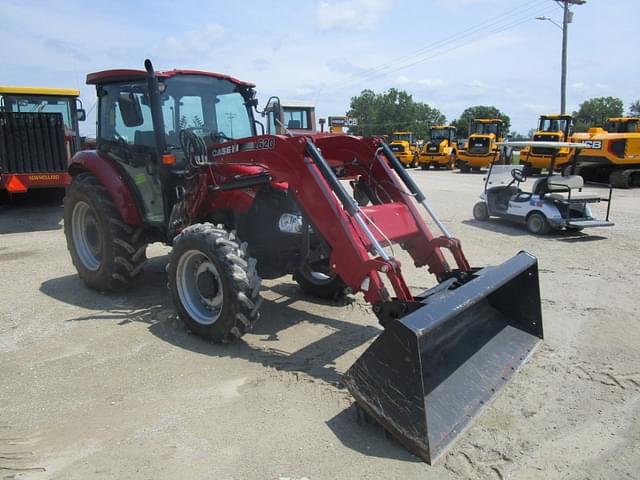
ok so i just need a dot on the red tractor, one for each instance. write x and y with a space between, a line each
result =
178 160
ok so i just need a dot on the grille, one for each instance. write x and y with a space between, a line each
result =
32 143
544 150
479 145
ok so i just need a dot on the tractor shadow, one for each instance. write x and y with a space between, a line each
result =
149 303
35 211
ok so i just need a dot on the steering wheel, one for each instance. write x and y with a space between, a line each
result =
216 135
518 175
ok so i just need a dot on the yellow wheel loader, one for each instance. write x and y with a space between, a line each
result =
481 148
551 128
612 155
441 149
404 147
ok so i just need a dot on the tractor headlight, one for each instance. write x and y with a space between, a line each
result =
290 223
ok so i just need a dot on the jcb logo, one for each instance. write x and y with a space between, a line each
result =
595 144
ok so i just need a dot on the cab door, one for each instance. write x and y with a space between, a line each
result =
126 136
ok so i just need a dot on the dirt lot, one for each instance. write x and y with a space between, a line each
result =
112 386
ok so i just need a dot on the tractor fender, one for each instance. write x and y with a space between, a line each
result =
113 180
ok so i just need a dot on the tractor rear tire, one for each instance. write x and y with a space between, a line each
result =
108 253
452 161
214 283
322 284
538 224
481 211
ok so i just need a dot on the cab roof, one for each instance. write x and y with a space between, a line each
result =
16 90
120 75
488 120
623 119
555 116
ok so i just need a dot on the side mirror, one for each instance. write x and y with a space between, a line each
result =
130 109
82 115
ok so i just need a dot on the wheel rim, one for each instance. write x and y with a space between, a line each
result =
480 211
199 286
86 236
535 224
317 277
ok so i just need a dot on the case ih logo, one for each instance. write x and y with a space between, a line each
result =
227 150
595 144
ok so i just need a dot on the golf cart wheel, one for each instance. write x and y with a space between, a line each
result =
538 224
213 283
320 281
107 253
481 211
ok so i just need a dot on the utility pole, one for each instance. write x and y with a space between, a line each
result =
231 116
567 18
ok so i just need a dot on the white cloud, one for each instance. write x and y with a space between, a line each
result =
431 83
202 40
402 80
351 14
579 86
477 84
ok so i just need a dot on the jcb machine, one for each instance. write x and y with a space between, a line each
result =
405 148
295 117
38 135
481 147
441 149
238 207
612 155
551 128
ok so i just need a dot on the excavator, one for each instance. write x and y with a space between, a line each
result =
611 154
551 128
481 149
441 149
179 160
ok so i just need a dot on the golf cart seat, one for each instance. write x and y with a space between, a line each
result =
557 187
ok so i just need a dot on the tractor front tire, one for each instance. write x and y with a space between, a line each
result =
538 224
108 253
214 283
322 283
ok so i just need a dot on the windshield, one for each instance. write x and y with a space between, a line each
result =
212 105
480 128
553 125
622 127
400 137
296 118
439 134
41 104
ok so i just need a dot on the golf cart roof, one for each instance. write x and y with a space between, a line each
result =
123 75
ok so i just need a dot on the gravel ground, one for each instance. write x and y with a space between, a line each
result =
113 386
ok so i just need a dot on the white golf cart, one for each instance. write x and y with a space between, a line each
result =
554 202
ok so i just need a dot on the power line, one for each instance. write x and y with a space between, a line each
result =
491 27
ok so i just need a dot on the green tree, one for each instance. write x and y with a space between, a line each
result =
595 111
479 111
634 109
383 113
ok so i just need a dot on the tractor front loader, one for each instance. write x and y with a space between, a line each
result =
178 160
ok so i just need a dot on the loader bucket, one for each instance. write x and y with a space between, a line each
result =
429 373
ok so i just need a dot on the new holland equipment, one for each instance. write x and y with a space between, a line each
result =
481 147
611 155
551 128
405 148
38 135
441 149
179 161
554 202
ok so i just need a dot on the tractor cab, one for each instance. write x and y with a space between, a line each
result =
147 135
554 127
441 133
623 125
404 146
295 117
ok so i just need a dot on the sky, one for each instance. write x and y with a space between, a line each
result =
451 54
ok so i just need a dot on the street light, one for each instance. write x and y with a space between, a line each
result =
566 20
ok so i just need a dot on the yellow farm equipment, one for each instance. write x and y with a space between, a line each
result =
441 149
